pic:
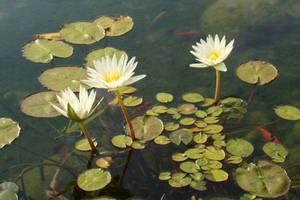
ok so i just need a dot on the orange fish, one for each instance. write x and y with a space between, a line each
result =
147 103
158 16
49 36
267 135
186 33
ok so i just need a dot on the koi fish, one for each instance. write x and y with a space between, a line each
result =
147 103
49 36
186 33
158 16
267 135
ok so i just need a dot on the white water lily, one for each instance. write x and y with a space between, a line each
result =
212 52
81 108
112 74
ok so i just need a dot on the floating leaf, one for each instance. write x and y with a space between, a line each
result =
164 176
104 162
193 97
207 102
211 120
93 179
104 21
214 164
266 180
146 127
213 129
187 121
216 175
194 153
287 112
151 113
219 143
254 72
201 114
9 131
121 25
179 157
164 97
8 195
159 109
202 162
171 126
83 144
121 141
181 135
43 51
189 167
126 90
234 159
37 105
179 180
198 185
59 78
162 140
136 144
276 151
198 176
200 138
201 124
172 111
99 53
187 109
213 153
132 101
82 33
214 111
239 147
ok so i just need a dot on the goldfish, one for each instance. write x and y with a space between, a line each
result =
267 135
147 103
49 36
158 16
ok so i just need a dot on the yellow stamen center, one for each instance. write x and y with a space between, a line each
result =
214 56
111 76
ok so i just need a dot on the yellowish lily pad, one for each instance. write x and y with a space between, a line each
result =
194 153
159 109
83 144
193 97
187 121
276 151
187 109
164 97
200 138
239 147
201 114
164 176
287 112
179 180
121 141
214 153
93 179
213 128
120 26
216 175
132 101
162 140
179 157
171 126
211 120
9 131
189 167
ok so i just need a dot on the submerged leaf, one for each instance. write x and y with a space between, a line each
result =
181 135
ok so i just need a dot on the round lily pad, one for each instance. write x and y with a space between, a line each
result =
207 102
276 151
132 101
138 144
213 153
120 26
265 179
121 141
214 164
126 90
83 144
9 131
146 127
287 112
200 138
257 72
82 32
192 97
187 121
164 97
201 124
181 135
216 175
93 179
99 53
43 51
239 147
37 105
234 159
198 185
194 153
159 109
213 128
187 109
214 111
211 120
59 78
201 114
172 111
8 195
189 167
179 180
171 126
104 21
179 157
164 176
162 140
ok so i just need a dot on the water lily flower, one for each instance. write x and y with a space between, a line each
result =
112 74
212 52
75 108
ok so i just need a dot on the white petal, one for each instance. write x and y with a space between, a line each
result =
134 79
198 65
221 67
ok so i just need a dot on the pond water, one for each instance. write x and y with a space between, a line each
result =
161 40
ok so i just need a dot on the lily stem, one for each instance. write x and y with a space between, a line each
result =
125 114
217 91
87 135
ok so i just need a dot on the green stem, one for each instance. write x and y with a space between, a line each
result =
217 87
125 114
87 135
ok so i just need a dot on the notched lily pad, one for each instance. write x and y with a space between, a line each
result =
83 144
187 121
257 72
164 176
200 138
9 131
179 157
43 51
216 175
213 128
59 78
201 114
287 112
192 97
159 109
239 147
132 101
171 126
213 153
93 179
276 151
234 159
37 105
189 167
214 111
179 180
187 109
164 97
138 144
82 32
121 141
104 21
162 140
181 135
194 153
120 26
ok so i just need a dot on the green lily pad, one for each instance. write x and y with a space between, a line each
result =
193 97
216 175
187 109
187 121
181 135
239 147
179 180
234 159
213 129
99 53
257 72
176 116
201 124
194 153
164 97
43 51
202 162
146 127
214 111
207 102
162 140
189 167
83 144
8 195
171 126
159 109
172 111
265 179
198 176
82 32
287 112
9 131
198 185
200 138
219 143
201 114
121 25
132 101
179 157
37 105
121 141
214 164
234 107
276 151
213 153
164 176
137 144
104 21
126 90
93 179
59 78
151 113
211 120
